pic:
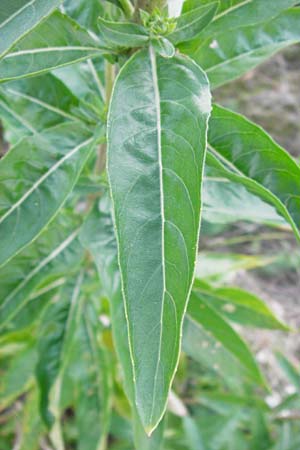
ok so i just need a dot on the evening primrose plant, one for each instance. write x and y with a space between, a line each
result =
116 155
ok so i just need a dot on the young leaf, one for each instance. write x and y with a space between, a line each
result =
45 180
122 34
57 42
190 24
156 146
250 156
17 18
55 334
163 47
200 312
230 55
54 254
239 306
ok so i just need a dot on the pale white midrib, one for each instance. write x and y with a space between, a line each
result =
52 49
44 177
158 124
19 11
41 103
97 79
40 266
233 8
17 117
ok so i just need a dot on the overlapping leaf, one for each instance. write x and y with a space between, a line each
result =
244 153
53 255
238 306
156 147
36 176
54 43
32 105
229 55
18 17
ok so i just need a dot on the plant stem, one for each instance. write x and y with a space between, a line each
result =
127 8
109 84
149 5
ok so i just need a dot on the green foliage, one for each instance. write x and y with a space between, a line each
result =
115 157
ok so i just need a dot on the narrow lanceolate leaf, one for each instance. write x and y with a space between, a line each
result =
55 336
46 168
244 13
56 42
54 254
225 201
238 306
190 24
98 237
201 313
156 146
248 155
18 17
230 55
93 380
122 34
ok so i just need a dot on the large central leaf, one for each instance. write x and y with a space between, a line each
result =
156 145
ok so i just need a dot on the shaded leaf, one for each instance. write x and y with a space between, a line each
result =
55 334
45 179
54 254
239 306
200 312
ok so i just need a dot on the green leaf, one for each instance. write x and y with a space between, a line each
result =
45 179
244 13
54 43
92 374
292 372
56 332
216 267
225 201
18 17
18 375
31 425
200 312
85 13
163 47
246 154
122 34
230 55
54 254
98 237
190 24
239 306
156 146
31 105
